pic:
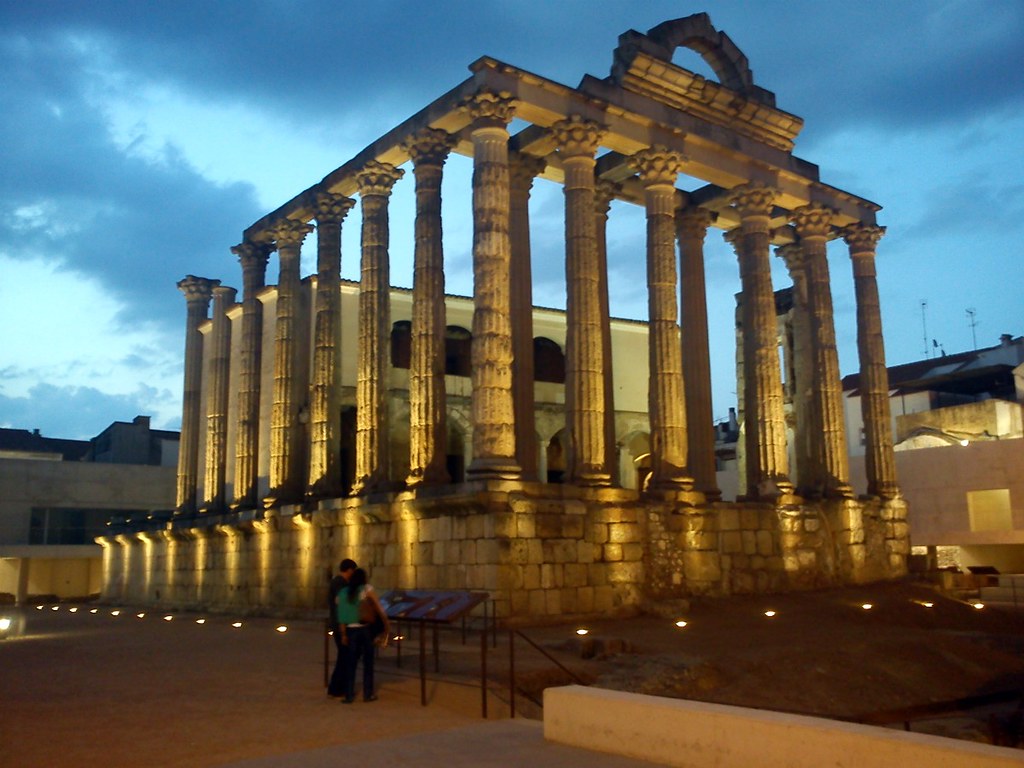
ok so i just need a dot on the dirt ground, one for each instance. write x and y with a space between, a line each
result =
90 688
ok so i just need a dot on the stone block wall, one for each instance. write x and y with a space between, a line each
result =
541 551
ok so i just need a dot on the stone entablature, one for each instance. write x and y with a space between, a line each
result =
312 478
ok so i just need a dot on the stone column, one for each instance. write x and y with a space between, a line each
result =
217 400
806 471
577 141
253 258
375 182
522 171
197 292
494 431
691 228
324 402
604 193
658 169
813 225
734 238
764 419
428 426
284 415
880 461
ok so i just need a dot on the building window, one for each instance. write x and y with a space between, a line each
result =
401 344
49 525
458 344
990 510
548 361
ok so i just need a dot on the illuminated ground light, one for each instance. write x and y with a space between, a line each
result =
582 631
55 608
236 624
978 606
115 613
141 615
5 624
681 623
168 618
94 610
200 621
39 607
73 610
925 604
867 606
398 638
770 614
281 628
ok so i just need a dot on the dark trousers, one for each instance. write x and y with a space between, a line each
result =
337 685
360 648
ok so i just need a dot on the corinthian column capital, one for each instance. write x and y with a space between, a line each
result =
752 200
331 208
577 136
813 221
658 165
862 237
522 170
197 289
793 257
288 233
429 147
377 178
487 108
692 222
604 192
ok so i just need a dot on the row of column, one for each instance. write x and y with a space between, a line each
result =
503 444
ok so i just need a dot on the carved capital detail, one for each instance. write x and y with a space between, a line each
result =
429 147
753 199
658 165
487 108
793 256
812 221
577 137
604 192
288 233
331 208
252 254
693 222
732 237
862 237
197 289
377 178
523 169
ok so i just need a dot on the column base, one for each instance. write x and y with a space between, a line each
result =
494 467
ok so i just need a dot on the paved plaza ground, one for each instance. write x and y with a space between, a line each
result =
91 689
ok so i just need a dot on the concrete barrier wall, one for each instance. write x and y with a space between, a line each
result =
693 734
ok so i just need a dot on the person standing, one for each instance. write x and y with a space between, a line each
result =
359 609
345 570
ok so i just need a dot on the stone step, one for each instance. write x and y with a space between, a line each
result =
1002 594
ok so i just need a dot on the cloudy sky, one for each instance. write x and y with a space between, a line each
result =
139 139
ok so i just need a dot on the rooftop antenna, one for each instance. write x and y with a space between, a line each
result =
924 325
973 322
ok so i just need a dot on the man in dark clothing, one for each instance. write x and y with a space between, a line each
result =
338 582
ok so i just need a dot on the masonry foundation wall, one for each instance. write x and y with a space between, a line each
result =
540 551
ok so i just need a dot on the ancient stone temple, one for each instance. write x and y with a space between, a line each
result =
480 443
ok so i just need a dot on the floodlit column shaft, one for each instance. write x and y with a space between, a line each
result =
658 169
428 431
764 420
217 399
691 229
813 224
880 462
375 182
807 469
494 448
284 414
584 385
253 258
324 403
605 192
522 171
197 292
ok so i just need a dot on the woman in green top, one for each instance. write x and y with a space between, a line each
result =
358 610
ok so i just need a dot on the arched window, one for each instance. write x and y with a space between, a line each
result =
401 344
457 351
548 361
